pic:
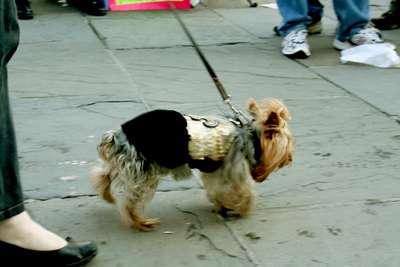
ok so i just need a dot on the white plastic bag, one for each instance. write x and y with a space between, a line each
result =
379 55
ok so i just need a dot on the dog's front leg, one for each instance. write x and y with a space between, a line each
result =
230 190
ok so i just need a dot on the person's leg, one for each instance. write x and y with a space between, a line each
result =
294 16
16 227
21 239
293 27
24 241
391 19
11 200
353 15
315 10
354 29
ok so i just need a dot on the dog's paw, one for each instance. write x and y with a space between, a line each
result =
146 225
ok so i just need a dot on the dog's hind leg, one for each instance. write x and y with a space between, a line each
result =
102 177
101 182
133 203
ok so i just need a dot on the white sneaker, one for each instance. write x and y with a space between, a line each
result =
295 44
368 35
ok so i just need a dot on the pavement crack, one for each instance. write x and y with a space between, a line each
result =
233 22
109 101
242 244
133 85
191 213
174 190
215 246
276 76
189 45
193 231
83 106
317 261
88 110
31 200
227 71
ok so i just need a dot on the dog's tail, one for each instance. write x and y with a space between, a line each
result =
100 180
275 136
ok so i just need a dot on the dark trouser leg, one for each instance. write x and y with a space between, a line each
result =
11 200
315 10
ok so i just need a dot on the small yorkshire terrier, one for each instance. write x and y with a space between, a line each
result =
161 142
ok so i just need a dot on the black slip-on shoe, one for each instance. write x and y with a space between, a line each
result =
74 254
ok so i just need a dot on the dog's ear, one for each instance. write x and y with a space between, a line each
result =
273 119
277 115
253 108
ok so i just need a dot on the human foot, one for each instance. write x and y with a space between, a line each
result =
22 231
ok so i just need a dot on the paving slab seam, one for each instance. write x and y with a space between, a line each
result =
189 212
316 98
225 71
41 97
134 85
180 46
175 190
110 101
197 231
101 38
215 246
394 117
99 113
222 16
30 200
196 104
211 9
270 76
251 256
249 253
33 200
273 210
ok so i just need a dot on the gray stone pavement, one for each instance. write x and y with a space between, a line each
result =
76 76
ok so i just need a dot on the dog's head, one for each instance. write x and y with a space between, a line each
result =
275 136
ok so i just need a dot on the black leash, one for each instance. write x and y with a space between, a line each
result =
226 98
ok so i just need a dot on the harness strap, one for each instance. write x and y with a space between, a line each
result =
225 97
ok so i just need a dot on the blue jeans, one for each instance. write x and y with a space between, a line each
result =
353 15
11 198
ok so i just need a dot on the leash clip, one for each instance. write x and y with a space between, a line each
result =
238 115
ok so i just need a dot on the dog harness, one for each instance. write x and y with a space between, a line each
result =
210 139
172 139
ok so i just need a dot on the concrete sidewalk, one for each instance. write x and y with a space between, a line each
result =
76 76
